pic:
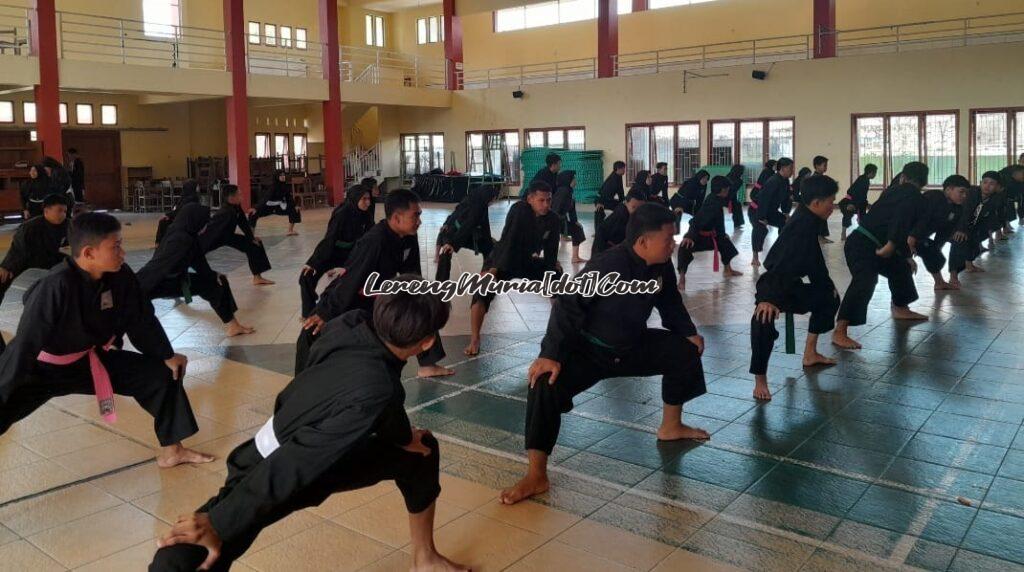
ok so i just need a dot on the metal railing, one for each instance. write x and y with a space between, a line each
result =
125 41
286 62
15 31
361 163
553 72
937 34
380 67
758 51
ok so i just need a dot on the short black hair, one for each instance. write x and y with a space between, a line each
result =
369 182
90 229
719 183
995 176
916 172
538 186
552 159
399 200
648 217
818 187
404 320
819 160
783 162
54 199
956 181
619 165
661 164
871 167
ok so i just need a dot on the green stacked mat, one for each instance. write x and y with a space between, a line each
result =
589 167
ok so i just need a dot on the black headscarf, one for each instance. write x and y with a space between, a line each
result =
736 173
191 219
692 188
565 178
640 185
37 189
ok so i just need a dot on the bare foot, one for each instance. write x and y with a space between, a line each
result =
291 233
235 328
761 391
844 341
434 562
178 455
907 314
527 487
975 268
578 260
729 272
433 371
473 348
954 283
682 431
817 359
755 262
261 281
940 286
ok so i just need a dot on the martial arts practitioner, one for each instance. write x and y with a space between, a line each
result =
762 178
690 196
771 201
878 246
60 182
548 174
735 177
168 274
372 184
781 289
65 343
974 226
794 187
642 185
564 206
1013 182
593 338
189 195
611 195
856 200
347 225
528 248
279 202
221 232
707 232
329 434
36 243
936 224
34 191
469 226
613 230
389 248
659 184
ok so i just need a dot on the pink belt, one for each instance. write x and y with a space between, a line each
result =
100 377
753 205
714 240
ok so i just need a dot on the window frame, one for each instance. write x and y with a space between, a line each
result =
420 169
24 112
304 137
282 40
371 31
516 168
524 142
259 33
117 113
172 33
886 170
304 41
92 114
67 113
256 144
269 34
1011 135
13 117
622 6
737 140
676 175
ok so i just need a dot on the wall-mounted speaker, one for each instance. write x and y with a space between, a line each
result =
758 74
518 94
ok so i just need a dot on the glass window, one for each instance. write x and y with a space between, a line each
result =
421 31
638 148
299 144
270 34
1018 152
780 139
286 36
556 139
752 146
870 143
510 19
161 18
904 141
534 139
656 4
991 141
280 145
378 26
723 140
576 11
83 113
6 112
28 111
577 139
300 38
33 135
664 152
421 153
688 159
940 146
435 29
108 114
538 15
262 145
254 32
64 113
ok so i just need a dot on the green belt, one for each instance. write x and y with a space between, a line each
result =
186 288
343 244
596 341
870 236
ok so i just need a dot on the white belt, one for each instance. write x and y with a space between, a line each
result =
266 439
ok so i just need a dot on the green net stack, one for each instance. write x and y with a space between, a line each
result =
589 167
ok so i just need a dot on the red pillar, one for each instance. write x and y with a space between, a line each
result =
824 28
452 44
238 102
334 164
639 5
607 37
43 22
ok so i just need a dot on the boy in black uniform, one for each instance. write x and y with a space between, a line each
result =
329 433
771 200
659 184
469 226
735 177
189 195
167 274
890 220
612 193
221 232
547 174
612 230
348 223
707 232
389 248
941 214
528 248
762 178
65 342
36 243
856 200
973 228
564 205
278 202
593 338
781 288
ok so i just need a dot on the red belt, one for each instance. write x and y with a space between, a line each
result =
714 241
100 377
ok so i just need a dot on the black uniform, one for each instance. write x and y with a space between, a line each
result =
856 200
347 225
34 191
771 200
939 219
564 205
612 193
795 255
329 433
528 247
68 312
707 231
735 206
189 195
601 337
36 244
221 232
690 195
976 222
612 230
544 174
382 251
890 219
77 172
60 183
167 274
469 226
1014 195
659 188
755 191
278 202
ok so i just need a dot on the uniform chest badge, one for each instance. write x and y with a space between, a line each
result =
951 217
405 253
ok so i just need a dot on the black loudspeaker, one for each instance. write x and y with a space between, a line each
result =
758 74
517 94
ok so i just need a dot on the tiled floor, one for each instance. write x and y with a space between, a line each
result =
909 453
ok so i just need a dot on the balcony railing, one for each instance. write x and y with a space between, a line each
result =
15 34
286 62
569 70
936 34
379 67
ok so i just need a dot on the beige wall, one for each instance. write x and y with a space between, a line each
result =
404 34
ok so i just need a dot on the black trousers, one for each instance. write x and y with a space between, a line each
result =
255 252
657 352
293 214
602 213
737 211
206 287
968 250
726 249
930 252
306 339
534 271
850 209
143 378
800 299
480 242
759 235
865 267
308 281
370 462
162 226
573 230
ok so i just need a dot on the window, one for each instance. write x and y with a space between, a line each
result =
997 139
161 18
300 38
33 135
429 30
374 30
286 36
83 113
421 153
550 13
677 144
64 114
571 138
270 34
891 140
655 4
299 144
751 142
28 111
254 33
280 145
262 145
108 115
494 152
6 112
